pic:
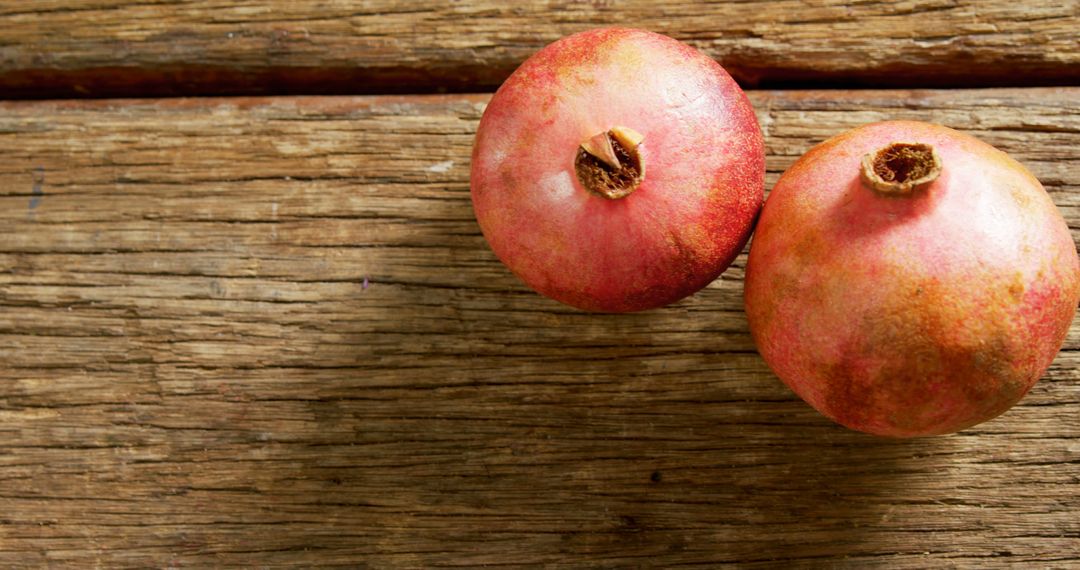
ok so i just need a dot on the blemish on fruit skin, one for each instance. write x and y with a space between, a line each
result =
1016 290
945 381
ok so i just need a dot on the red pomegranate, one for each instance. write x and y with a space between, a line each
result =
618 170
907 279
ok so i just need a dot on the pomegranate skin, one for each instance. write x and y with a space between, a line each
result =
916 314
690 216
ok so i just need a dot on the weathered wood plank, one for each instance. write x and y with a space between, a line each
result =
267 332
168 47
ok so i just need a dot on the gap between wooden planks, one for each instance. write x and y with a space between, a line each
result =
267 332
80 48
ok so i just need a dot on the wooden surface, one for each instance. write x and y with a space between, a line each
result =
120 48
268 333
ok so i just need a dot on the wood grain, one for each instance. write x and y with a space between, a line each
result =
78 48
268 333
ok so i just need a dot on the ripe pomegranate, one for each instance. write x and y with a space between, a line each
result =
618 170
907 279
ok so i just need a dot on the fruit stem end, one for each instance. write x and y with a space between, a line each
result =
901 168
609 164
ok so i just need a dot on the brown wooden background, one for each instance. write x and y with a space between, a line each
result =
265 331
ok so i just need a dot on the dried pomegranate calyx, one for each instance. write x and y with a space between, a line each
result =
609 163
600 146
627 137
901 168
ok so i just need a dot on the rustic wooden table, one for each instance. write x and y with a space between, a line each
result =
266 331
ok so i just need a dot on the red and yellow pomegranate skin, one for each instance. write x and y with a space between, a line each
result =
910 315
692 213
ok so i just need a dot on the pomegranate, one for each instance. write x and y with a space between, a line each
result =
907 279
618 170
